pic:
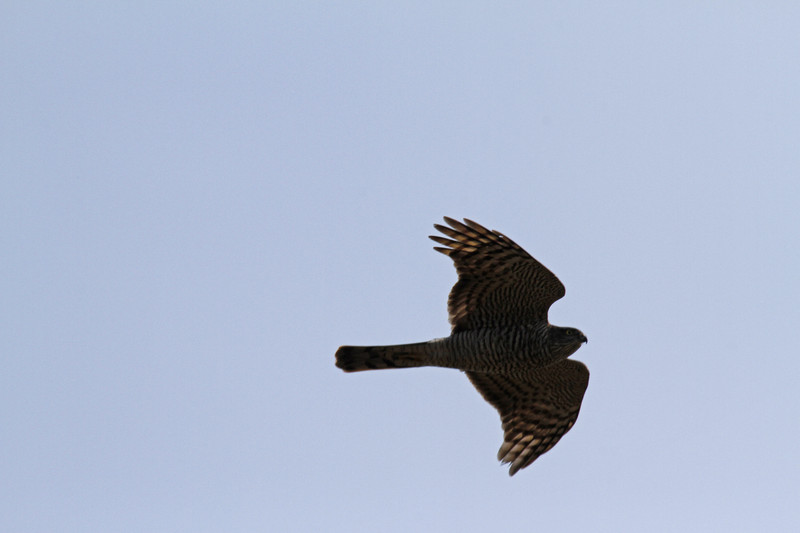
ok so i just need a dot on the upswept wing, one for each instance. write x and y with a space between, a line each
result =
499 283
535 412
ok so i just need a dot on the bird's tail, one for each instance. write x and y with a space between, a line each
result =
357 358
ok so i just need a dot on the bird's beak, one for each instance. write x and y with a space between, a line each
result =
585 340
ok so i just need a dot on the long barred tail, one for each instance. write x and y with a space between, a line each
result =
357 358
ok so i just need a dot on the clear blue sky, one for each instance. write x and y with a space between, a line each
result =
200 203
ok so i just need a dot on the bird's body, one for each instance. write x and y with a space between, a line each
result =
503 350
502 339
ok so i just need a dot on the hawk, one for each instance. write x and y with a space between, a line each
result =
501 339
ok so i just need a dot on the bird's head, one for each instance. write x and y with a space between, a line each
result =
566 341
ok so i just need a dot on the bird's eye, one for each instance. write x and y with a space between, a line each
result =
570 332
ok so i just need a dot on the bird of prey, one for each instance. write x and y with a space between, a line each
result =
501 339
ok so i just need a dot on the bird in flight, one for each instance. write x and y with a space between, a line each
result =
501 338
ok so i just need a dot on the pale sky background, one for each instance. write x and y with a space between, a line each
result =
201 202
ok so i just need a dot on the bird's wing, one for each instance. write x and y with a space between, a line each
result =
537 411
499 283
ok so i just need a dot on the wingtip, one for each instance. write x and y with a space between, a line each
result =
478 227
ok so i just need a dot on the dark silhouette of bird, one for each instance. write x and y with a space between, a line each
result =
501 338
